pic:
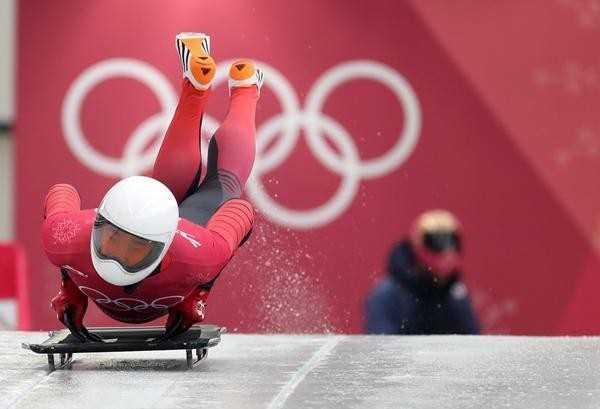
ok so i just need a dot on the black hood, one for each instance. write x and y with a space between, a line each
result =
404 268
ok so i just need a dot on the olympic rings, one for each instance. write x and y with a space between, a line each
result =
286 126
131 304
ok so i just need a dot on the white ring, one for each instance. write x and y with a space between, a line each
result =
379 73
97 73
134 161
322 214
286 95
162 306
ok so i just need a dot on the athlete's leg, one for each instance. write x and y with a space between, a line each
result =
231 150
178 164
234 143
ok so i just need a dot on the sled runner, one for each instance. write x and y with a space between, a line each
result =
63 343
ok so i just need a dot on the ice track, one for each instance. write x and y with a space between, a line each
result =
277 371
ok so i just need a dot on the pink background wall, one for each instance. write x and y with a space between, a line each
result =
503 123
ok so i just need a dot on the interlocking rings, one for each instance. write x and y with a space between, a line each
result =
131 304
286 126
134 161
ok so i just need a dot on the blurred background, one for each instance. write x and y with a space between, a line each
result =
372 113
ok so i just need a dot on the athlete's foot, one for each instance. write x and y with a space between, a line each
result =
244 73
194 56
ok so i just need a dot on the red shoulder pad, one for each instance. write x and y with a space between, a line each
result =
233 221
61 198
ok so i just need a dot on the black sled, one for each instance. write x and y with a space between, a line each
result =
198 338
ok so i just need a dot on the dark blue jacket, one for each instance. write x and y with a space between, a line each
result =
408 301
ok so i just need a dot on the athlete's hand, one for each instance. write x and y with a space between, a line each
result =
188 312
70 306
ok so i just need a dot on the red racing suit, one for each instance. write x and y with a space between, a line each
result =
196 257
181 283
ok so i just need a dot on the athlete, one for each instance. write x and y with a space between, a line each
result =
155 246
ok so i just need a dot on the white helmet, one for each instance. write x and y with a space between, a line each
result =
134 227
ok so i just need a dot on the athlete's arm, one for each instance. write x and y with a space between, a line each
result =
61 236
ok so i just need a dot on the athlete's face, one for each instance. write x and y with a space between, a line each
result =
128 249
439 252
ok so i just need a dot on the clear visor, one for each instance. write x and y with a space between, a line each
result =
132 252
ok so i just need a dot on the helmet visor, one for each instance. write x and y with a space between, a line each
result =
132 252
439 242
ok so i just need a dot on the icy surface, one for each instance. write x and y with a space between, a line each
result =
262 371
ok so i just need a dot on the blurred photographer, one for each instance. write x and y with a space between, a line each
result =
422 293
